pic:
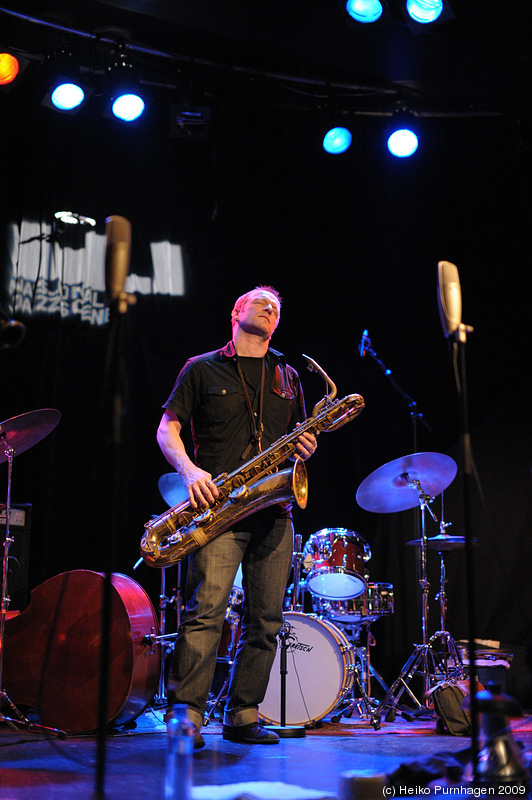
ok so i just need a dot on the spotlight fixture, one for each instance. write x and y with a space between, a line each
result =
9 68
337 140
422 14
402 136
66 95
71 218
364 11
127 103
190 122
128 106
66 92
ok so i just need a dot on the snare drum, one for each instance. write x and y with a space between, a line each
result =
320 664
375 602
339 556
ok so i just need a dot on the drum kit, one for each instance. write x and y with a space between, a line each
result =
17 435
326 666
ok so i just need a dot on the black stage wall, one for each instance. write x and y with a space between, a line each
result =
351 243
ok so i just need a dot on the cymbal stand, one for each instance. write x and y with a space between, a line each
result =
20 721
423 660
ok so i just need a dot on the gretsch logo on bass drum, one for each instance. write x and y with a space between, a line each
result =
293 644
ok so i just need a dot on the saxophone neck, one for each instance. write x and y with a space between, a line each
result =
313 366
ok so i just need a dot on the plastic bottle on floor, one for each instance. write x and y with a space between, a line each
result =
179 749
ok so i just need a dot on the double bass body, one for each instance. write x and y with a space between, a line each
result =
52 652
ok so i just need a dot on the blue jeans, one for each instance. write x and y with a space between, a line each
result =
263 544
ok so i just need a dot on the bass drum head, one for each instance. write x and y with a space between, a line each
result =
320 665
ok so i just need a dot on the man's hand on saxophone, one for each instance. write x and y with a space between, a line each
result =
306 445
199 484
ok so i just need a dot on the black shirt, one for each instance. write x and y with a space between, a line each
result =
208 393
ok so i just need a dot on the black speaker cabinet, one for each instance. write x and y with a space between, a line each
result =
17 565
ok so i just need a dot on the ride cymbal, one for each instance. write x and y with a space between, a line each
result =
22 432
396 486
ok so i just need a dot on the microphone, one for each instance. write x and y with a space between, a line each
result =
449 298
118 230
365 342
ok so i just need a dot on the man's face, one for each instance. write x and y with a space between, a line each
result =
259 314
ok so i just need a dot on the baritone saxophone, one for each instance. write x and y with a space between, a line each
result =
257 484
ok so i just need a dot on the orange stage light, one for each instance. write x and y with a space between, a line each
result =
9 68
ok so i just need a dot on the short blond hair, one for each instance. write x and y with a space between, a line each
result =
239 303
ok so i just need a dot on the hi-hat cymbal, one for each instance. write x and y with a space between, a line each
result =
393 487
442 542
22 432
172 489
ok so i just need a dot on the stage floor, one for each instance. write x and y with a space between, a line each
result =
133 762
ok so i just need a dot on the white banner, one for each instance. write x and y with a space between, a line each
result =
45 276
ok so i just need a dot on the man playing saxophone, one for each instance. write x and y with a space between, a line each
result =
238 400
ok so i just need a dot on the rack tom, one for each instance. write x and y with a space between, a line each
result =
336 562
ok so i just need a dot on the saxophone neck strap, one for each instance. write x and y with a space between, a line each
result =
257 429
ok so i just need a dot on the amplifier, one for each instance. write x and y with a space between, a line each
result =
17 567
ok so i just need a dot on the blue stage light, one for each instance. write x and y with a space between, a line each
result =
364 10
67 96
337 140
128 107
402 143
424 11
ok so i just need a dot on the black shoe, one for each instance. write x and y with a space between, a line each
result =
199 741
250 734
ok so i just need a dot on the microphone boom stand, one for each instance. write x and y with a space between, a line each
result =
415 414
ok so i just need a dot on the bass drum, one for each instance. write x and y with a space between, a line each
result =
320 663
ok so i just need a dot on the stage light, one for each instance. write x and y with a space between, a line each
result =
364 10
403 143
67 93
72 218
337 140
127 103
422 14
128 107
424 11
190 122
9 68
402 133
67 96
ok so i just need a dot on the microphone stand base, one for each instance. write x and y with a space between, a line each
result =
287 731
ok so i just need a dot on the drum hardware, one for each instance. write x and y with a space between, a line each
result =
17 435
166 641
172 489
405 483
364 705
227 647
297 561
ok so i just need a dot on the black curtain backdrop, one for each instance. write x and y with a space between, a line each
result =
351 242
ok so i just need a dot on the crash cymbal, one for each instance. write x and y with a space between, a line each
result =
172 489
389 488
22 432
442 542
